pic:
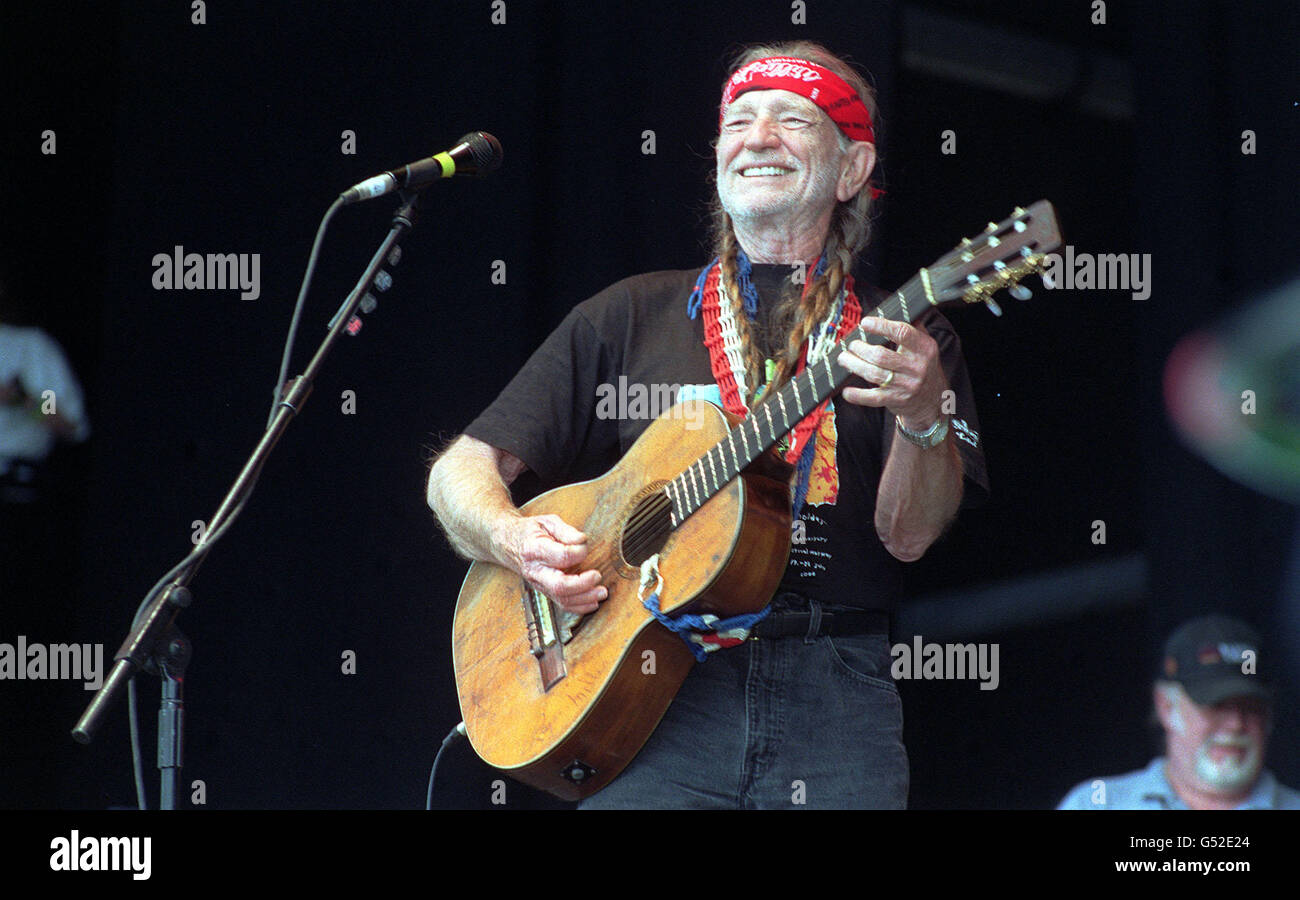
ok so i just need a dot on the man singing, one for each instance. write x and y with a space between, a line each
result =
804 711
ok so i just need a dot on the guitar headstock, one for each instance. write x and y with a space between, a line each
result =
997 258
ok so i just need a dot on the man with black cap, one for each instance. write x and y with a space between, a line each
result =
1216 712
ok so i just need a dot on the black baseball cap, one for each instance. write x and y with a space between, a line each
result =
1215 658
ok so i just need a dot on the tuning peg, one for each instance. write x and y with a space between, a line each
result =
1020 292
993 306
1048 281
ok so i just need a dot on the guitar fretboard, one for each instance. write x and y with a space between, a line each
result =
781 411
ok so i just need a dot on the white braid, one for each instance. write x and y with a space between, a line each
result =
731 345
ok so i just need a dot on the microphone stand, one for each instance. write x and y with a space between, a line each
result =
154 643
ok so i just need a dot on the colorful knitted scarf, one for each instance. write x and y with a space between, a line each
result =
727 355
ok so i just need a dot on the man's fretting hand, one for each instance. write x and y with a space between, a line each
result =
909 380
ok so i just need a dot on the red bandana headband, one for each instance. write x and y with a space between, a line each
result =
807 79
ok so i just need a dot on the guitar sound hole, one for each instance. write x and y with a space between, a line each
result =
647 529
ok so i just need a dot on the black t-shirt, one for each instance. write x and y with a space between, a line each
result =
635 336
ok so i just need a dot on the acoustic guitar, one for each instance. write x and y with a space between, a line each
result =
564 702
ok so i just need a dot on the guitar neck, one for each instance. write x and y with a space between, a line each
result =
778 413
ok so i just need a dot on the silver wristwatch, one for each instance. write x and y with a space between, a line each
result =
931 437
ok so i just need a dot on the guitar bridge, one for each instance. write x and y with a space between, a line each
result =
548 632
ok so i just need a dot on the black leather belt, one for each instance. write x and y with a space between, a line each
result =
833 622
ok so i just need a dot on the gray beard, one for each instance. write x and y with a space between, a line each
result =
823 186
1229 775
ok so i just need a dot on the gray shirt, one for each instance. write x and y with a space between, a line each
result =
1149 789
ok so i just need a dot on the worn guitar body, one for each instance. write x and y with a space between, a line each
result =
612 681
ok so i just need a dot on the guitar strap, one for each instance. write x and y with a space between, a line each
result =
703 634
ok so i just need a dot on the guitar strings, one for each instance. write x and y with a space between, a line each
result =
646 511
652 524
649 524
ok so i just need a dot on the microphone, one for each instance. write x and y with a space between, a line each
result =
476 153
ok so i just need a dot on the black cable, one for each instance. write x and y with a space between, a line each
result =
298 307
452 737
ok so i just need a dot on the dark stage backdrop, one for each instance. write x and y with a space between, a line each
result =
322 674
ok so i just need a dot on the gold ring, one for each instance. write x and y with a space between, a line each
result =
888 378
